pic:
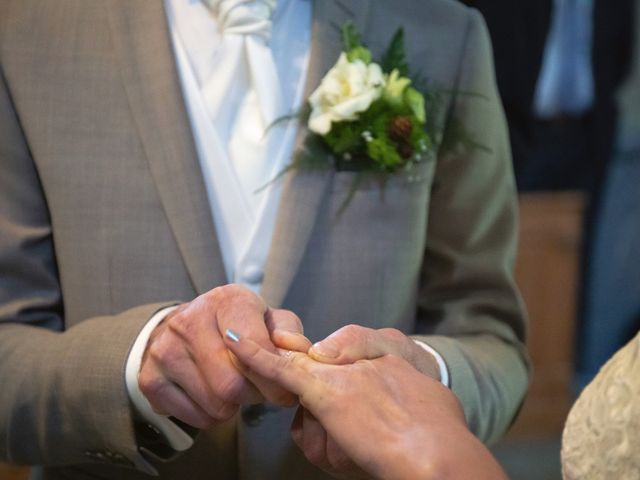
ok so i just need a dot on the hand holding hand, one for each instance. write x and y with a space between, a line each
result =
187 371
346 346
390 419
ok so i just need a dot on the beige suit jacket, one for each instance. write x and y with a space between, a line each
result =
104 219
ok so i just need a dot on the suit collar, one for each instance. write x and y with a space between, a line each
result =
143 48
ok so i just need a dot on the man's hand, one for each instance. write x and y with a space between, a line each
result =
187 371
390 420
354 342
346 346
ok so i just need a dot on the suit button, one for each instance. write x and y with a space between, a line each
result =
252 274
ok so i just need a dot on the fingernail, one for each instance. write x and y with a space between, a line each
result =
325 349
231 335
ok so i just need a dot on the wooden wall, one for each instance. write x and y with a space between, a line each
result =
547 273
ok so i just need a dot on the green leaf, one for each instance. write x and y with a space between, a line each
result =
394 57
415 101
350 37
359 53
384 153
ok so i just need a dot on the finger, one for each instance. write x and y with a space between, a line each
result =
354 342
193 355
297 428
288 371
220 400
285 320
229 304
239 308
339 463
286 330
314 441
263 388
242 310
166 398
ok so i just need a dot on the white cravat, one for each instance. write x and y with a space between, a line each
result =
245 70
244 64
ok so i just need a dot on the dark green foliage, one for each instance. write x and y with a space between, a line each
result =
394 58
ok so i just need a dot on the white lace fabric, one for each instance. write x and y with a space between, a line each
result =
601 439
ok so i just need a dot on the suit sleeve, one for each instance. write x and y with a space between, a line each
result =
467 285
62 392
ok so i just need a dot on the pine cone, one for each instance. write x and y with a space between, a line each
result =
400 129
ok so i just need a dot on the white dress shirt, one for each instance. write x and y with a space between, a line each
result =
244 213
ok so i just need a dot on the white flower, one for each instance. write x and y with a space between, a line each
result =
348 88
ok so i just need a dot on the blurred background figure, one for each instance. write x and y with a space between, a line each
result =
612 290
518 32
560 65
568 73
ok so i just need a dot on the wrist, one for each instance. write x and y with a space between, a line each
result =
176 437
434 364
406 459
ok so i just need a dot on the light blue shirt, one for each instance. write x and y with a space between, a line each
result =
565 84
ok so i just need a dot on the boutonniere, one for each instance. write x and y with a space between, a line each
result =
367 113
374 118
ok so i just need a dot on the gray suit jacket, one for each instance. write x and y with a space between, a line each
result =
104 219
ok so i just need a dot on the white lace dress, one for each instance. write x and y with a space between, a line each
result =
601 439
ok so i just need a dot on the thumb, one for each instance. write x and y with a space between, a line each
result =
286 330
348 345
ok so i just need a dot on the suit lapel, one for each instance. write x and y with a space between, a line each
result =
304 190
144 51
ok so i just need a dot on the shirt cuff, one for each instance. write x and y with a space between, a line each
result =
178 439
444 371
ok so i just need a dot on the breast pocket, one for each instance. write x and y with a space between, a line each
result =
368 246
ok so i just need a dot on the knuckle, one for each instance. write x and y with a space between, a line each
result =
163 353
351 330
151 386
294 319
227 297
230 388
394 360
348 335
184 325
393 334
229 291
